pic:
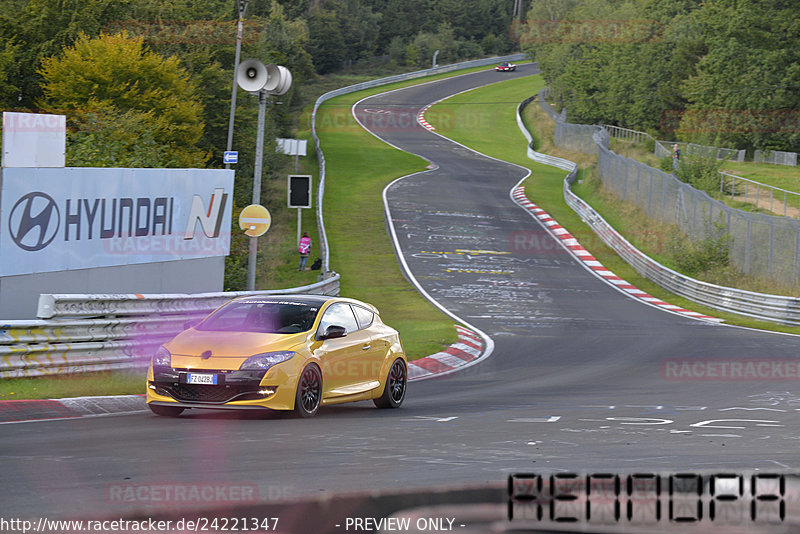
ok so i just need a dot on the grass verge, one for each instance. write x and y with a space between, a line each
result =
131 382
502 139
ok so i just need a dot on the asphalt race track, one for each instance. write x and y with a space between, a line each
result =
579 379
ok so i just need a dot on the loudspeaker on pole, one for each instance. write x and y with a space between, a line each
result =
253 76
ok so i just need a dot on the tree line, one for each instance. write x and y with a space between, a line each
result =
148 82
722 72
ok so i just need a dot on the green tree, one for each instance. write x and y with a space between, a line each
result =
747 82
8 72
115 76
326 44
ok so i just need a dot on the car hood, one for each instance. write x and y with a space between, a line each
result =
193 342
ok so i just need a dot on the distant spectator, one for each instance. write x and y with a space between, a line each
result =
304 248
676 155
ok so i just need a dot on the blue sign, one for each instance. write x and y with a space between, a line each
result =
230 157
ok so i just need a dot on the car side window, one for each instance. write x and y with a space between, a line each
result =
338 314
364 316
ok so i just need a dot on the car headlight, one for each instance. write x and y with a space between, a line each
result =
262 362
162 358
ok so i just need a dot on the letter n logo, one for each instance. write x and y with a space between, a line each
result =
211 218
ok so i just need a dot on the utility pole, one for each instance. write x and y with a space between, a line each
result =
242 4
251 260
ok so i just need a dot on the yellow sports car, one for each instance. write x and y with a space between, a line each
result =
295 352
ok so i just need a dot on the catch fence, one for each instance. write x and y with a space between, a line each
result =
761 245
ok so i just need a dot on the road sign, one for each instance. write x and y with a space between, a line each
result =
255 220
299 191
230 156
291 147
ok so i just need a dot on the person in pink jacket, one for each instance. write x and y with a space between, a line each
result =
304 249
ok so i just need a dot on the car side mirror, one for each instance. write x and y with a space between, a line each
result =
334 331
191 323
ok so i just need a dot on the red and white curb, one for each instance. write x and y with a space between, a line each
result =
468 348
583 255
421 117
18 411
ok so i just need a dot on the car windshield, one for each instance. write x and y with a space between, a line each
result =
266 317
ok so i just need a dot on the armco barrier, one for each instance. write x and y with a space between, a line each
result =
368 85
81 333
774 308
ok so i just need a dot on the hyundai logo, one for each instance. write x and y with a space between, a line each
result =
34 226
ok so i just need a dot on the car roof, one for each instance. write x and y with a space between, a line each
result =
309 300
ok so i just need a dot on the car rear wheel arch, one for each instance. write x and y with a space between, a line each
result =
394 389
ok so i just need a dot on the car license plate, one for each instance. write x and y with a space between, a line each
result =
197 378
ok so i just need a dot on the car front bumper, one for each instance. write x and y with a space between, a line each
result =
234 390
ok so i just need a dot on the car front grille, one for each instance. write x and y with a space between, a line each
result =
204 393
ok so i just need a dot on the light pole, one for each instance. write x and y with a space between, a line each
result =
242 4
255 77
253 250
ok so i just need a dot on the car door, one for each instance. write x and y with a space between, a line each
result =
340 357
373 355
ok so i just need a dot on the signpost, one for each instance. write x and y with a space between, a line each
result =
299 187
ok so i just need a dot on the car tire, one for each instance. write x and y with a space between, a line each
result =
395 389
309 392
166 411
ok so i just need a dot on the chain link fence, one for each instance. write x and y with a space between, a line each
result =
663 149
776 157
764 246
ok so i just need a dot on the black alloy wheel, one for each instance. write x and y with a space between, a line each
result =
309 392
395 390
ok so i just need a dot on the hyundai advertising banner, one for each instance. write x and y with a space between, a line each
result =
56 219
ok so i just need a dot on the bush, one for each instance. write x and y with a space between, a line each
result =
710 254
701 172
665 164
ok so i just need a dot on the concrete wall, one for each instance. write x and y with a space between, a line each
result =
19 295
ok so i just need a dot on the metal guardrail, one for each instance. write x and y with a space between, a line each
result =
739 188
81 333
627 135
764 246
324 246
773 308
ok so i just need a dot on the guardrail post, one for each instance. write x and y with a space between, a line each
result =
771 244
796 254
747 249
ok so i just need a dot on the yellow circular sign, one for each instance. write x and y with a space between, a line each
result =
255 220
